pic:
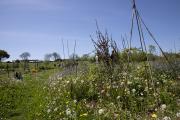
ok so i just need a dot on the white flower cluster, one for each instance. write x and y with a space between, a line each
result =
166 118
178 115
163 107
101 111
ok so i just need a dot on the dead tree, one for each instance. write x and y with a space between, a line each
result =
103 45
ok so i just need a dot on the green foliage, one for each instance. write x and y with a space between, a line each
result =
152 49
86 57
3 54
133 54
97 92
101 94
173 56
12 97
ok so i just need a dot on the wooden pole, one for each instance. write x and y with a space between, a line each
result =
63 49
68 48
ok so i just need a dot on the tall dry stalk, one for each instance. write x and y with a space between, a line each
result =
103 45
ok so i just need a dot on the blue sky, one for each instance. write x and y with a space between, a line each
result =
37 26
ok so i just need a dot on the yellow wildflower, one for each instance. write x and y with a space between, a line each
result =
67 102
85 114
154 115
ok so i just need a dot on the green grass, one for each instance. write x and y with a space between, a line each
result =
20 98
97 92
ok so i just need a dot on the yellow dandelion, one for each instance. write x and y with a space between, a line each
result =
154 115
108 87
85 114
67 102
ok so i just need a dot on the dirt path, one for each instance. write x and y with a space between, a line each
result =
60 74
72 70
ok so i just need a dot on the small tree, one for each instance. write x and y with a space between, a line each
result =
25 55
3 55
152 49
56 56
134 53
74 56
85 57
47 57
